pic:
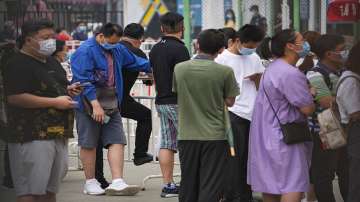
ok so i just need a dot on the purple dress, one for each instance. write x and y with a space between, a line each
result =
273 166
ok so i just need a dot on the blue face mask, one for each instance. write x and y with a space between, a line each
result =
305 51
247 51
108 46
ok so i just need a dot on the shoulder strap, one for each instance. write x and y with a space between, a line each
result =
325 74
343 79
267 96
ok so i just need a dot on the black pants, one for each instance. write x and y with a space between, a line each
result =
354 162
202 170
132 110
325 164
237 189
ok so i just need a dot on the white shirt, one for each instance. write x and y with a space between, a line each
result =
243 66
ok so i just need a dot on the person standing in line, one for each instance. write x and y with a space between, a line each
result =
247 66
132 38
332 54
97 64
80 33
205 88
278 170
40 116
163 58
348 99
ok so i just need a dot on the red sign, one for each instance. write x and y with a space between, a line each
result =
343 10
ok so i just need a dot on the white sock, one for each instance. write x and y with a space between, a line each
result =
118 180
90 181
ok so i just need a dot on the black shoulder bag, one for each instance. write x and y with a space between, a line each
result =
295 132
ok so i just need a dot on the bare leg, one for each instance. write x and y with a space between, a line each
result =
292 197
311 197
166 159
88 158
49 197
116 160
271 197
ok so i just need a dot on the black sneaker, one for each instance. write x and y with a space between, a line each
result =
103 183
170 191
141 160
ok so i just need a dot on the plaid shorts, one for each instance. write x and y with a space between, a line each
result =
169 126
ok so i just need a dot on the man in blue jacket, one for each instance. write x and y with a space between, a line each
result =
97 65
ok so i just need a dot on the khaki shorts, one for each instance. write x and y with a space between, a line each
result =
38 167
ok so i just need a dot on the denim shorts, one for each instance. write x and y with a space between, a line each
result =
89 131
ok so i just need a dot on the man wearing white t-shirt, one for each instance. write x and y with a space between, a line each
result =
247 66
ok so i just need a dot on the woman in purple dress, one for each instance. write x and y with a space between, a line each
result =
278 170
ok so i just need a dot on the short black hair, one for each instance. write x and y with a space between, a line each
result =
32 27
134 30
251 33
211 41
110 29
229 33
172 22
263 50
279 41
353 61
254 7
327 42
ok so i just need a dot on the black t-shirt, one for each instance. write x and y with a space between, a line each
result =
25 74
129 76
163 58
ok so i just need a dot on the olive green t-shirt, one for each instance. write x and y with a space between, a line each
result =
201 86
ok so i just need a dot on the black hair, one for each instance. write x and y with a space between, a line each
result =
32 27
327 42
251 33
134 30
263 50
172 22
279 41
211 41
60 44
229 33
353 61
58 30
110 29
254 7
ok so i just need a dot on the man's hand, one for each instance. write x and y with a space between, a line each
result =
98 112
64 102
74 89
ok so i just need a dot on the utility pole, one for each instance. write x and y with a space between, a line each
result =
187 24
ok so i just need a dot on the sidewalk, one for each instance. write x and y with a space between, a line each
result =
72 186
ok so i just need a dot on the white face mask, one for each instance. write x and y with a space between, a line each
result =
47 47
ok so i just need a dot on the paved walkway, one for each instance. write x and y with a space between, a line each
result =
71 188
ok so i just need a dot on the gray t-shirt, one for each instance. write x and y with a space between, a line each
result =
348 96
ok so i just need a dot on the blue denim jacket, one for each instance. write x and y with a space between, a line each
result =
89 61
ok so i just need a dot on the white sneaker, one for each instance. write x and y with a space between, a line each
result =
92 187
118 187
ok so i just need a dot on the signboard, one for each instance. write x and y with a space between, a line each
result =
343 10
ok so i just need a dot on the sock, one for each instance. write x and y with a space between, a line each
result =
89 181
118 180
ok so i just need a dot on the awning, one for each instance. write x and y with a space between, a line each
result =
343 10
